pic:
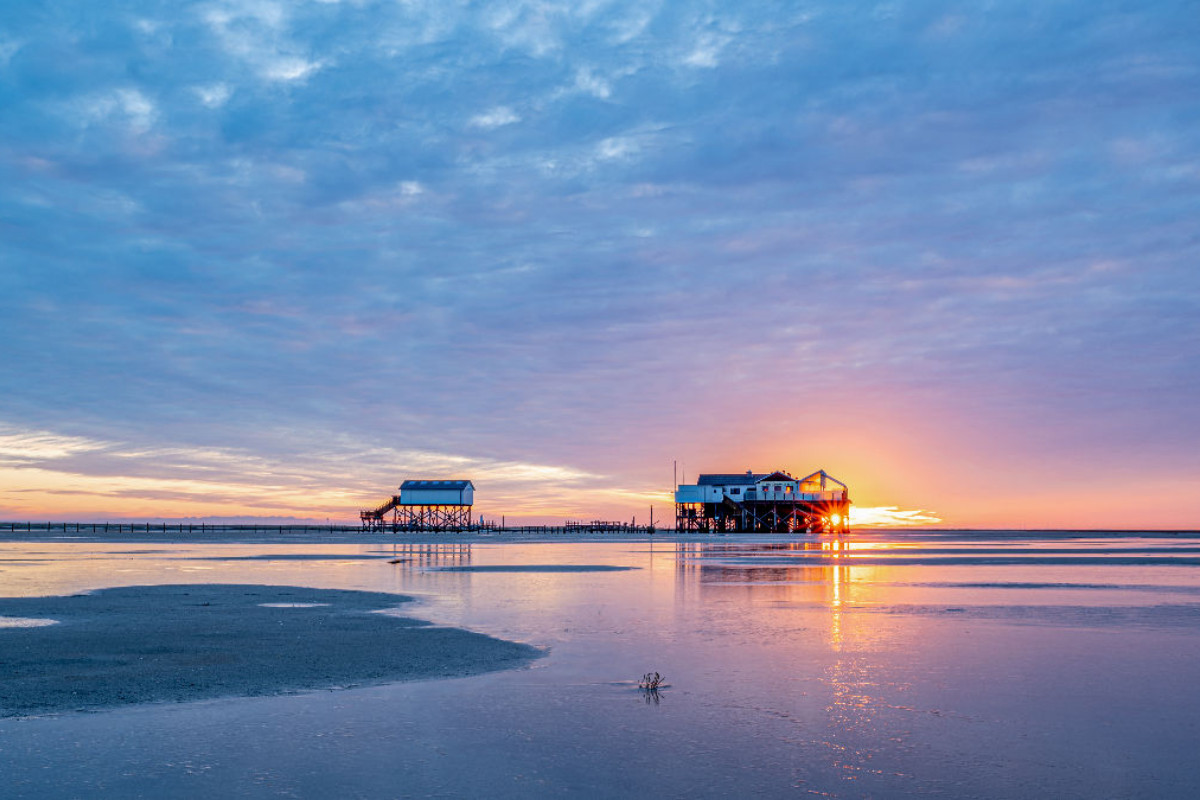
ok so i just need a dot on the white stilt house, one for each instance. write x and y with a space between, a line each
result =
771 502
425 505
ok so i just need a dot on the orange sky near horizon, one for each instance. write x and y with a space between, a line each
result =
885 489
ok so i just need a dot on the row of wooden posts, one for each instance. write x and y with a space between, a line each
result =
204 527
165 527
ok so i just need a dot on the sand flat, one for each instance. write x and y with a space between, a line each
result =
534 568
143 644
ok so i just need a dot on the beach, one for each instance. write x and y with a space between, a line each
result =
884 664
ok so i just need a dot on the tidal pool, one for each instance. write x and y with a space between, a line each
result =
881 665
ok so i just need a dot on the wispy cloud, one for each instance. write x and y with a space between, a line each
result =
890 517
213 95
124 106
22 446
707 51
8 48
496 118
316 482
258 32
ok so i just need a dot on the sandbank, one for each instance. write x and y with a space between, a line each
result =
534 568
142 644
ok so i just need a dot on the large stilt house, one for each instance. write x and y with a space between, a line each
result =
773 502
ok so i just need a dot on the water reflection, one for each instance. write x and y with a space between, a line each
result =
439 554
817 572
861 666
822 575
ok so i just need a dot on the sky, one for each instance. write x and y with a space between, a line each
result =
269 259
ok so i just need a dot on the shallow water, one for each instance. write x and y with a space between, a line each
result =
892 665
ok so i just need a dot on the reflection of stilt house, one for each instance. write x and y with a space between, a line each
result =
424 506
763 503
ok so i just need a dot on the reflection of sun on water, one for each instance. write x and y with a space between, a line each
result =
838 574
854 687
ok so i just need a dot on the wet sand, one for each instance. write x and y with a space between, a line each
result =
143 644
537 568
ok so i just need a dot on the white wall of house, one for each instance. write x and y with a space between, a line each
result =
437 496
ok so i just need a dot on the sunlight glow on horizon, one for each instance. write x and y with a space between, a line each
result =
890 517
45 475
80 476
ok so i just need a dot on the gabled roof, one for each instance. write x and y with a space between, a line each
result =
747 478
728 479
457 484
824 477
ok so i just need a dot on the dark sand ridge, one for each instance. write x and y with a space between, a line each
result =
177 643
534 568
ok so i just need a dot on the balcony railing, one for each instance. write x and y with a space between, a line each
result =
787 497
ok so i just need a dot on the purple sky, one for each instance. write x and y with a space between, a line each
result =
264 258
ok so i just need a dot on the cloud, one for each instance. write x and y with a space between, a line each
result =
890 517
496 118
530 26
24 446
214 95
615 148
593 237
8 49
289 68
589 82
127 107
317 482
258 33
706 52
